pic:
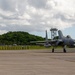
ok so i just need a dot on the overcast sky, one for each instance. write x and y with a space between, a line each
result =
36 15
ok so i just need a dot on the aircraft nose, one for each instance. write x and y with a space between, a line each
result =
74 41
74 45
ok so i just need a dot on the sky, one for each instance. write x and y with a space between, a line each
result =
36 16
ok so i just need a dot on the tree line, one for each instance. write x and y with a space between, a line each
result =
18 38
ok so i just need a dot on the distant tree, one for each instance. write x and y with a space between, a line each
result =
18 37
57 37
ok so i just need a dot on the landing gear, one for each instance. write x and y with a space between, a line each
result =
64 49
53 50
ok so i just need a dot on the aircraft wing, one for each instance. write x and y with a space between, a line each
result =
51 42
56 42
37 41
42 43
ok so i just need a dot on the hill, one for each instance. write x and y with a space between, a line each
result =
18 37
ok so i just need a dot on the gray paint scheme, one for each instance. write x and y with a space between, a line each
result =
62 40
66 40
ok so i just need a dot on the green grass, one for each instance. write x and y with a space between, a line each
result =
20 47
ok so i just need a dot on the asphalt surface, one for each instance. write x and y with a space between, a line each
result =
37 62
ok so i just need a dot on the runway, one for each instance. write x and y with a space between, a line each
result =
37 62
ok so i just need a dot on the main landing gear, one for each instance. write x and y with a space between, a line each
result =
53 50
64 49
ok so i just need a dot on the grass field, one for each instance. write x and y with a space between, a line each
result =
24 47
20 47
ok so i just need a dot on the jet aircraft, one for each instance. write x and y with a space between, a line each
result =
66 40
62 40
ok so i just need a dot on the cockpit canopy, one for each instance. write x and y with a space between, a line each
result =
68 36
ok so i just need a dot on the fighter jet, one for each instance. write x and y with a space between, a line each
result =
63 41
66 40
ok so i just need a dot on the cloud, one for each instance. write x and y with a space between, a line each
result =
8 5
36 15
37 3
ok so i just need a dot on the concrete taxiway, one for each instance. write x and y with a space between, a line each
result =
37 62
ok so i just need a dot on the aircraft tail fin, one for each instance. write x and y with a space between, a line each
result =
46 36
60 34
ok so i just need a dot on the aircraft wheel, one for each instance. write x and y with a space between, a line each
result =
52 50
64 50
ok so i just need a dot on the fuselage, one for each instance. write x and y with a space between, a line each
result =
66 40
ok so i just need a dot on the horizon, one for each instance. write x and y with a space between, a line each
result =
67 31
